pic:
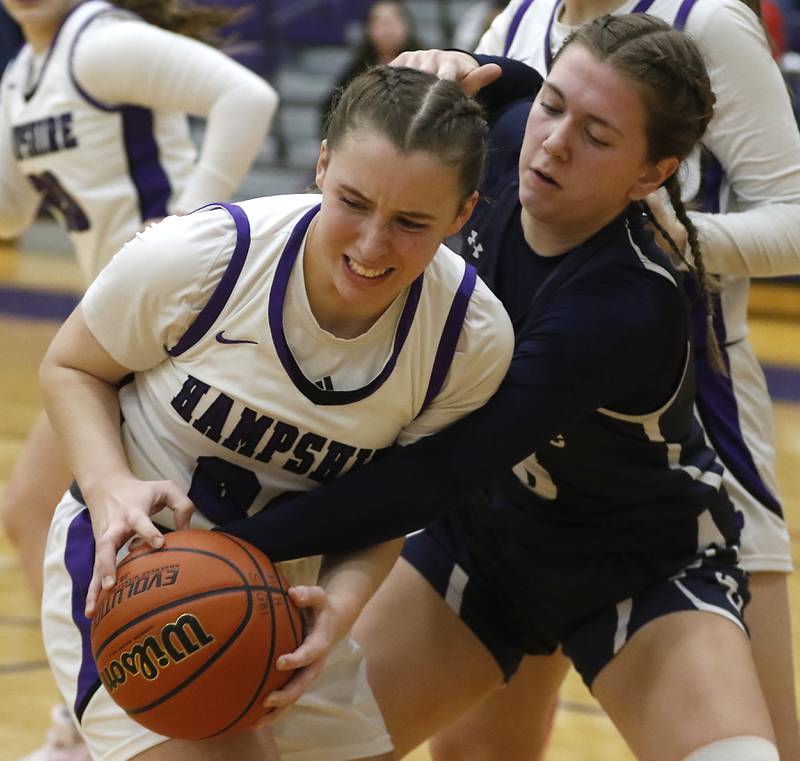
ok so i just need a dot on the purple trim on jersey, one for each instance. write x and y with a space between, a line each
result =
85 95
144 165
683 14
211 311
548 47
30 93
515 22
79 561
719 413
641 7
152 184
712 176
450 334
277 296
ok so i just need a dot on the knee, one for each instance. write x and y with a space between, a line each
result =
12 518
745 748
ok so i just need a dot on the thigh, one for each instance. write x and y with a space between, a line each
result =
512 723
243 746
424 665
338 717
682 681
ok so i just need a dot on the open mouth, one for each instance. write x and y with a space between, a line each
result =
367 272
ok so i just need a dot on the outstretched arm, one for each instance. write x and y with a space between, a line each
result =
157 69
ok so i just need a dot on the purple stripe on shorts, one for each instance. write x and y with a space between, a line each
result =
144 162
277 296
719 413
79 561
211 311
450 334
515 22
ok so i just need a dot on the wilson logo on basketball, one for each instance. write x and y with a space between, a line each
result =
177 641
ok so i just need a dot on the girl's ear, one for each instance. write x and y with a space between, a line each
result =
322 164
653 176
464 214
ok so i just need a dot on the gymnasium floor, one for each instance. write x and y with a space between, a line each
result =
38 284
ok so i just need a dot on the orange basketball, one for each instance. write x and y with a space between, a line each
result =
186 641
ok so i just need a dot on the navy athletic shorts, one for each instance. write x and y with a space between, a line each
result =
511 621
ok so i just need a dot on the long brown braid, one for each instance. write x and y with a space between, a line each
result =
668 69
195 20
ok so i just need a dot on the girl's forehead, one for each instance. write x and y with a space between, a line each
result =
597 87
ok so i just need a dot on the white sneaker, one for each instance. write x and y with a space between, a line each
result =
64 743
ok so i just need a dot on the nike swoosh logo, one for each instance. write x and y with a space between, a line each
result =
221 339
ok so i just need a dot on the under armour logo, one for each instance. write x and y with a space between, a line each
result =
472 241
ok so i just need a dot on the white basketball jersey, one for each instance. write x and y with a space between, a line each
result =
101 168
230 412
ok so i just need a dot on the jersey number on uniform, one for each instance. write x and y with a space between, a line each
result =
55 198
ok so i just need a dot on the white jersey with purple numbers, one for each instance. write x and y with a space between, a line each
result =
759 148
101 168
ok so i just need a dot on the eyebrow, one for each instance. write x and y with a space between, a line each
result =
415 214
593 117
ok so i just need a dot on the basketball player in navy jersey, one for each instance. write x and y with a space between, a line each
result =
746 201
275 345
602 526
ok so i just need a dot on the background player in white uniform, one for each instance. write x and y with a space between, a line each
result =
275 345
93 125
749 225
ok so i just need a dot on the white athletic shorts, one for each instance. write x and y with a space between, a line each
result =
336 719
765 542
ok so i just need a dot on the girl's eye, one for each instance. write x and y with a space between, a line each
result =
352 203
595 141
548 109
409 224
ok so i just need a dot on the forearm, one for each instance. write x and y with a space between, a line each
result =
759 242
351 579
220 170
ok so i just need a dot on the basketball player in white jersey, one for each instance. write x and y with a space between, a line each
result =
274 345
93 125
748 193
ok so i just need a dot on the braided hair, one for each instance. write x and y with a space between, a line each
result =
668 69
415 111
